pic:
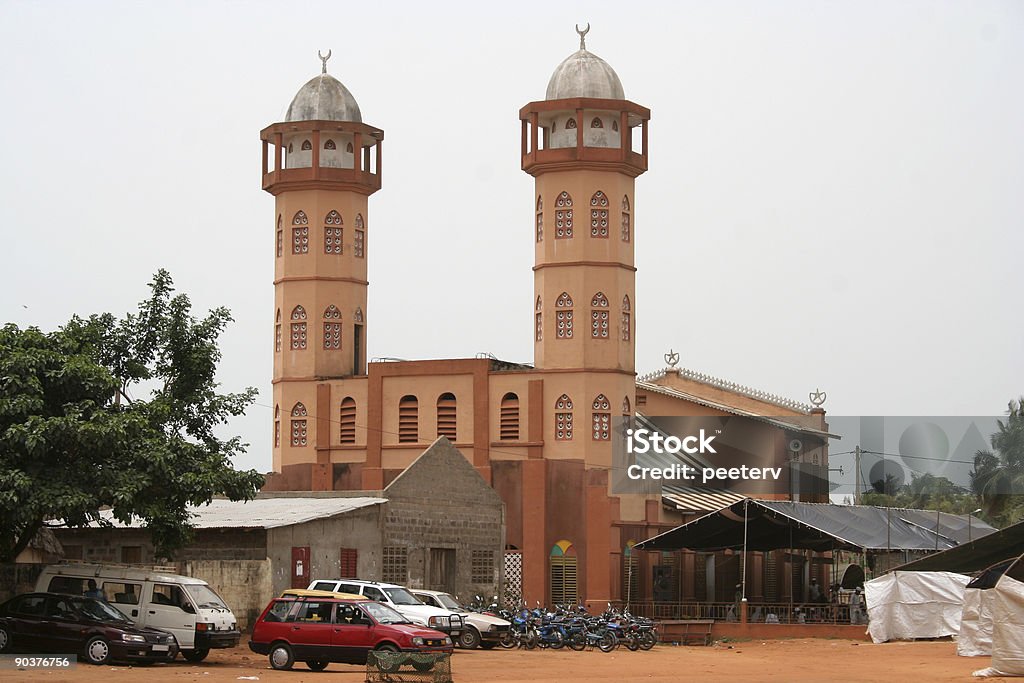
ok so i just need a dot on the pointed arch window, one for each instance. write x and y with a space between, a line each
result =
358 317
599 215
509 417
563 216
599 316
625 218
596 122
539 319
540 219
348 420
348 148
277 332
277 426
280 236
408 420
615 125
298 329
563 574
299 416
563 316
627 410
359 243
300 233
307 145
563 418
625 318
332 328
446 416
332 233
330 144
601 420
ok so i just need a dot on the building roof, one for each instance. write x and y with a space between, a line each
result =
982 551
324 98
261 513
689 500
719 383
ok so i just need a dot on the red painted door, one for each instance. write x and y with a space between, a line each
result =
300 567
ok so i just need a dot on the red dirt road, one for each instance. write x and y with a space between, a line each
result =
785 661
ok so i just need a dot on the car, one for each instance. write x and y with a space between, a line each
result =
482 630
321 630
58 623
401 600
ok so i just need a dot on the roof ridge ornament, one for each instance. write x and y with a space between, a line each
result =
672 358
583 35
323 59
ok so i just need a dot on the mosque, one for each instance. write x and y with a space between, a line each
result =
541 435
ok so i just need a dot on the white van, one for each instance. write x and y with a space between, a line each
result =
183 605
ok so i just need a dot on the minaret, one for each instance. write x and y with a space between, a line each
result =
321 164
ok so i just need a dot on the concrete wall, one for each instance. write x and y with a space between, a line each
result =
244 584
18 578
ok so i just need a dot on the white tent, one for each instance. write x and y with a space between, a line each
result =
1007 624
976 621
908 605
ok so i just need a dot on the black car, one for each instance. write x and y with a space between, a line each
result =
37 623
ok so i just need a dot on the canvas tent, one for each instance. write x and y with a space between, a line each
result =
982 550
976 619
908 605
1007 607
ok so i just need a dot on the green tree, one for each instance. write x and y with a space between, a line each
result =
998 475
117 413
924 492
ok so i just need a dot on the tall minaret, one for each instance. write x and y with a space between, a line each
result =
321 164
579 146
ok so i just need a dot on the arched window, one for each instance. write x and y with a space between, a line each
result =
615 125
540 219
306 145
539 315
627 410
570 124
348 148
289 148
625 218
277 332
446 416
599 215
277 426
563 418
625 318
563 316
601 422
332 233
509 427
408 420
280 236
298 328
330 144
332 328
359 243
563 574
599 316
299 425
596 123
563 216
358 316
300 233
348 420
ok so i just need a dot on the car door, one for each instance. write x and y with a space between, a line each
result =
311 631
353 634
26 617
168 607
61 632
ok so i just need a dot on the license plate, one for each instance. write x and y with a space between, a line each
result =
161 648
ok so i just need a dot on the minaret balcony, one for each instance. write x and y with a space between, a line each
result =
336 155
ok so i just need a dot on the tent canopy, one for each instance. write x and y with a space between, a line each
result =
776 525
974 556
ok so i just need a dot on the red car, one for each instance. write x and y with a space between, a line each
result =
318 631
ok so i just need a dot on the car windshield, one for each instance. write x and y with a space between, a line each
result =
98 610
204 596
400 596
448 601
383 614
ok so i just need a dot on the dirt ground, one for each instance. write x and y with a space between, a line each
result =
786 661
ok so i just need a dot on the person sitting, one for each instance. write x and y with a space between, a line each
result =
92 591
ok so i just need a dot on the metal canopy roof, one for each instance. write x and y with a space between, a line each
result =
976 555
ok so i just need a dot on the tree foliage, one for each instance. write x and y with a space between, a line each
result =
998 475
924 492
119 413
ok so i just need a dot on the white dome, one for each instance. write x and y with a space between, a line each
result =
584 74
324 98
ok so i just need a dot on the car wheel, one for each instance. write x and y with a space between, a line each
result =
386 667
195 655
97 650
317 665
281 657
5 639
470 639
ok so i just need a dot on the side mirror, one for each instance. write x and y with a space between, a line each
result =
187 607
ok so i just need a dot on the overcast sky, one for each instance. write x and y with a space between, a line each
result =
834 197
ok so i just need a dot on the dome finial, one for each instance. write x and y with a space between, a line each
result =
583 35
324 59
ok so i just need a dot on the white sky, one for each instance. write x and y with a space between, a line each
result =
834 196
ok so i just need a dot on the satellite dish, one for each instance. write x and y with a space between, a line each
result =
796 445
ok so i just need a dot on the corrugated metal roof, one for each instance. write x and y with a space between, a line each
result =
699 500
261 513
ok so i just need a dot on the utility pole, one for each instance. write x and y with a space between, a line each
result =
856 475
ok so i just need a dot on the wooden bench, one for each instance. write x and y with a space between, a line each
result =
686 631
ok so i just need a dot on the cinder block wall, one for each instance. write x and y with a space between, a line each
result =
244 584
